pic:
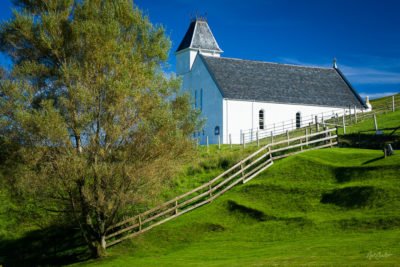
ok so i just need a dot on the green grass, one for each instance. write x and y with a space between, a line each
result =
386 123
206 164
328 207
385 102
28 235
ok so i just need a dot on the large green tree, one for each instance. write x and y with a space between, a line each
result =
98 123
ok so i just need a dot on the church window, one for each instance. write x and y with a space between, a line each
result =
201 99
261 119
298 120
216 130
195 98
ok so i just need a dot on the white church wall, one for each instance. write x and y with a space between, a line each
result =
242 116
185 60
209 100
237 117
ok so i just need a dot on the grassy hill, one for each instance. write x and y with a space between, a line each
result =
327 207
385 102
364 135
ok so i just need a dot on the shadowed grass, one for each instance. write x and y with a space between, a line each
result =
300 211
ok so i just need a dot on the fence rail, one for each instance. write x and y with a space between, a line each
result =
241 172
340 117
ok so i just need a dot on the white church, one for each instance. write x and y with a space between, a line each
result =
238 96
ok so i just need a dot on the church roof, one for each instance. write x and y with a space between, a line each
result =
199 36
281 83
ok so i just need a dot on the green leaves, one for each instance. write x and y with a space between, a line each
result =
99 125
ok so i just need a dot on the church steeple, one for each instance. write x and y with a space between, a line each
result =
198 39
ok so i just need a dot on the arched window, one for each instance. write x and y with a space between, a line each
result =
216 130
298 120
261 119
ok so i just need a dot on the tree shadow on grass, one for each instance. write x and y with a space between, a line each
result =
372 160
353 196
55 246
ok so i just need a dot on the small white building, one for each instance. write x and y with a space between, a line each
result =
238 96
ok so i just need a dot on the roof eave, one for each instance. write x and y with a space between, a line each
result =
283 103
351 87
211 74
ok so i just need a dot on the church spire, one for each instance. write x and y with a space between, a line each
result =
199 37
335 63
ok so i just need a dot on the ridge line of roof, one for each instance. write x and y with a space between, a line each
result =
212 35
211 73
267 62
352 89
194 32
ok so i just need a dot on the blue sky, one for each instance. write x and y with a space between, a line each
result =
364 35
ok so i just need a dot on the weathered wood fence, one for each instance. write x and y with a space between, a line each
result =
242 172
340 117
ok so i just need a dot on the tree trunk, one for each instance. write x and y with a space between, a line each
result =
98 247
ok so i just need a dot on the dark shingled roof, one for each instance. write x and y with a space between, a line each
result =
281 83
199 36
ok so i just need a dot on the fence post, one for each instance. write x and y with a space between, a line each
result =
287 136
219 141
326 134
230 140
301 143
393 106
270 153
316 124
355 114
242 171
375 123
344 123
258 140
176 206
244 143
140 223
350 118
306 136
207 142
337 134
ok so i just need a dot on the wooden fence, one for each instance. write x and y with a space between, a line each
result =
353 118
342 117
242 172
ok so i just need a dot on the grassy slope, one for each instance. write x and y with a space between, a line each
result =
14 225
26 239
384 101
334 206
384 121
